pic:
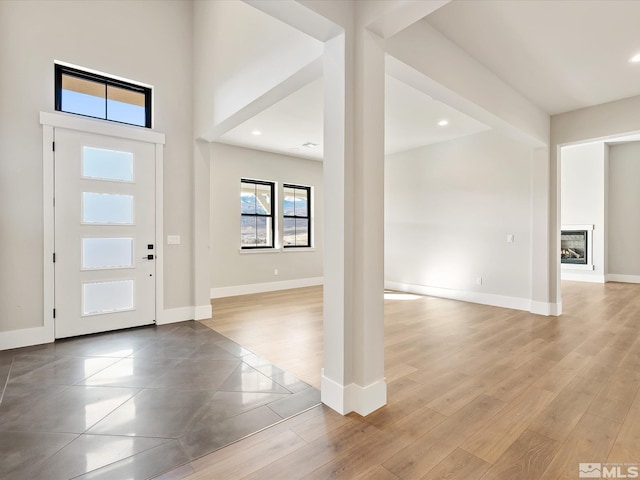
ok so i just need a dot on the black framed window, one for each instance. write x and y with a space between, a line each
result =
92 95
296 210
256 212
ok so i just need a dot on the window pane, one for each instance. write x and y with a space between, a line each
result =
263 231
263 199
107 208
301 203
107 252
248 198
289 231
288 202
302 232
107 164
107 297
125 106
83 97
248 236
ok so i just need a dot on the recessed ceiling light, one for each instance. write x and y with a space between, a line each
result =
256 132
310 145
443 123
635 58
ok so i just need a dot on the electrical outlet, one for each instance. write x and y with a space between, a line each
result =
510 238
478 280
275 271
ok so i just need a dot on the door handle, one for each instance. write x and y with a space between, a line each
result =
148 257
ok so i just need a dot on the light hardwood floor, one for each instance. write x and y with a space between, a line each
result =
474 392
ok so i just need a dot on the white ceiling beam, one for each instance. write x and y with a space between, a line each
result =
307 74
386 19
454 77
298 16
412 77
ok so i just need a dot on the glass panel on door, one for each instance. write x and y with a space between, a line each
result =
107 253
107 208
103 164
107 297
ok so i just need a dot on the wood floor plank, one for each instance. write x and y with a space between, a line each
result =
426 452
362 457
561 416
495 437
626 448
376 473
521 379
264 453
302 462
458 465
561 374
590 441
460 395
526 458
615 398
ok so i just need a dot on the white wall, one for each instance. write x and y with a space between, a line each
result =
583 193
232 267
624 204
147 41
448 210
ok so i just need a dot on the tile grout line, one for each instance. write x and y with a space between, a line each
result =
6 382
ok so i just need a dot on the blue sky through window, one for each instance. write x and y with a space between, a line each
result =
92 106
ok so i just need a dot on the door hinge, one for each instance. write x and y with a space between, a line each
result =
54 257
54 313
53 146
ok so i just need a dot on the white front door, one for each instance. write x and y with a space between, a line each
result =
104 233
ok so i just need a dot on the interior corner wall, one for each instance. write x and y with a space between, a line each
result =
624 221
152 44
448 210
235 271
583 189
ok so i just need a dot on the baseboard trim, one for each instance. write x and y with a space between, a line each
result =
616 277
465 296
546 308
182 314
26 337
345 399
202 312
582 277
233 291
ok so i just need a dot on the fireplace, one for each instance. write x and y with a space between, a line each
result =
573 246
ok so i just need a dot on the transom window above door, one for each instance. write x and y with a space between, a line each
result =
95 95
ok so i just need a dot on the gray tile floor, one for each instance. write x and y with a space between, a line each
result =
135 403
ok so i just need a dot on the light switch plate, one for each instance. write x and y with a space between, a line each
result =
173 239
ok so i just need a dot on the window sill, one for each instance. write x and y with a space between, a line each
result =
252 251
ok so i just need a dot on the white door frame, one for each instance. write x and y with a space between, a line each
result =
49 122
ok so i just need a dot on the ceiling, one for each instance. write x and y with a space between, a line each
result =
411 121
562 55
286 125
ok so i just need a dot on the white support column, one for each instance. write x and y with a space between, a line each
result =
353 373
545 294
